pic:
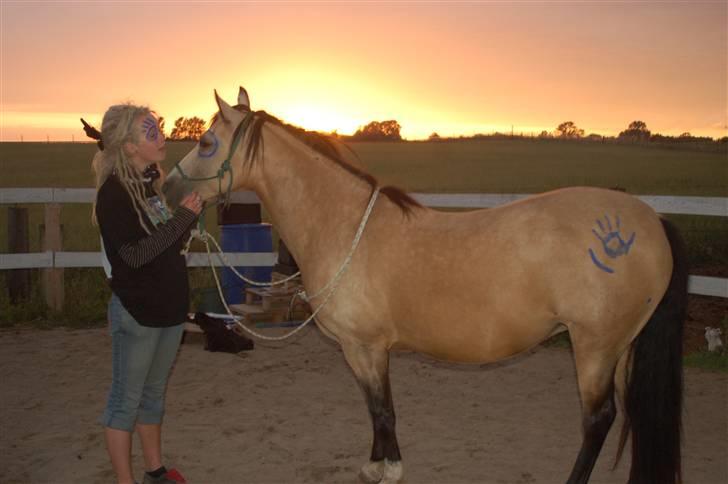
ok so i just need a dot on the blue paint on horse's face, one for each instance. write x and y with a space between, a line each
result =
208 145
613 245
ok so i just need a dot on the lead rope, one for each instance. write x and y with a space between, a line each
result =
331 286
201 235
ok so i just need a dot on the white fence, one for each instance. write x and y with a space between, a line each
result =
717 206
56 259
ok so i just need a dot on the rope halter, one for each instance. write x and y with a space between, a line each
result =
225 166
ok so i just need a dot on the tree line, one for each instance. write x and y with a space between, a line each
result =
191 129
185 129
636 132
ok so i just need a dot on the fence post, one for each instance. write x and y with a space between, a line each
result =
18 279
53 277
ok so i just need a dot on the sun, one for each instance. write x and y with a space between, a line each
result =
318 118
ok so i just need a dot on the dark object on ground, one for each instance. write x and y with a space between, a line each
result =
219 338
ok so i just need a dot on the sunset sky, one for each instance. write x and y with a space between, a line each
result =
452 68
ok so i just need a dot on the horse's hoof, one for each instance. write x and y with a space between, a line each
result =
392 472
372 472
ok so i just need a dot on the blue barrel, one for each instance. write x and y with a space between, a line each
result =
244 238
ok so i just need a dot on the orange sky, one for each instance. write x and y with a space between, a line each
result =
453 68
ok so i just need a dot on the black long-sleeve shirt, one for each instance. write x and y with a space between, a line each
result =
148 273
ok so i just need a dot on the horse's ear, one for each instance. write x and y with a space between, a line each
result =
225 108
243 98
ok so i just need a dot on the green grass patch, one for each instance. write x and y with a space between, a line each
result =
86 298
31 310
707 360
706 238
703 359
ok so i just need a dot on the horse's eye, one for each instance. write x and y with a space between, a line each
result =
208 145
206 139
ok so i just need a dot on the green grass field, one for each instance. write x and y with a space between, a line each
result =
484 166
533 166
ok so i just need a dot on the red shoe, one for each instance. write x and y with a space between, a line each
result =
174 475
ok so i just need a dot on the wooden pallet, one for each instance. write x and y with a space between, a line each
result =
271 304
269 298
293 283
254 313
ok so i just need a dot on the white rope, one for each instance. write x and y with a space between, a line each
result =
333 282
221 254
203 236
194 234
241 325
330 287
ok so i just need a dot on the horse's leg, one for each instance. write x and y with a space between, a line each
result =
595 374
371 368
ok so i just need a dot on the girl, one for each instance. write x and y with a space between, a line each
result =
150 291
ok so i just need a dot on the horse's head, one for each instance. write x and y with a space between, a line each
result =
216 165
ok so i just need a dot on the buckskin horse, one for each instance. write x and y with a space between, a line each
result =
473 287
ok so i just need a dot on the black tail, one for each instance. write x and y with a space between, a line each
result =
653 400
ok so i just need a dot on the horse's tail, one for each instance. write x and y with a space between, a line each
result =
654 392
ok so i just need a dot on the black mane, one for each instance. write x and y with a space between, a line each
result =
323 144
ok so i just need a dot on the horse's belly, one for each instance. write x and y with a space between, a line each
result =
480 341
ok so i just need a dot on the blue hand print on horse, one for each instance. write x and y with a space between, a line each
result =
612 242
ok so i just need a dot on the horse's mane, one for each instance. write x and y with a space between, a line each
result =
325 145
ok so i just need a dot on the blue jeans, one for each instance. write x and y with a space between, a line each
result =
142 358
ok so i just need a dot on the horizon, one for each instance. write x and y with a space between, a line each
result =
458 69
83 139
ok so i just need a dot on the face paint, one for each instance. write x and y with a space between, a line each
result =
150 128
149 143
208 145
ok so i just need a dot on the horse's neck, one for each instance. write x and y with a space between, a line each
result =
315 205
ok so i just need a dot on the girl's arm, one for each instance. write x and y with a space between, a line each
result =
144 250
121 229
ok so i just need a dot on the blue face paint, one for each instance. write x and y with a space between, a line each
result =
151 128
613 245
208 145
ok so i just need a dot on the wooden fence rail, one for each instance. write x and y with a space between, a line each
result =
716 206
62 260
53 259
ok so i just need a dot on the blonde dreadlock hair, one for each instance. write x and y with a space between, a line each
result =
117 128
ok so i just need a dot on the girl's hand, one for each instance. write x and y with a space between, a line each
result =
193 202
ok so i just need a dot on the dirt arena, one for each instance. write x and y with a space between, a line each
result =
292 413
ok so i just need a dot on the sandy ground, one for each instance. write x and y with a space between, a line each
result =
292 413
